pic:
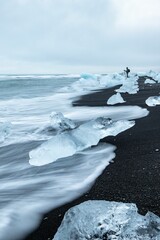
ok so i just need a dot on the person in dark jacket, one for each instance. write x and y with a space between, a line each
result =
127 71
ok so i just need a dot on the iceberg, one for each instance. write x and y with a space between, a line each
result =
69 142
111 80
154 75
99 219
153 101
114 99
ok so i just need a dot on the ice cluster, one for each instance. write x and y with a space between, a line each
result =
69 142
93 220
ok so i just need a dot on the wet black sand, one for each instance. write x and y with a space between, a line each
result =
135 174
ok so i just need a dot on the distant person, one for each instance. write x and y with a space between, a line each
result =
127 71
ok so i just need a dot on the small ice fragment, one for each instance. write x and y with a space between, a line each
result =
114 99
153 101
149 81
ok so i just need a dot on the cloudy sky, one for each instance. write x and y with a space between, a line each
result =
73 36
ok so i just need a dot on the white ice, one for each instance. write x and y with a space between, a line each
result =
130 85
154 75
68 143
59 122
108 220
153 101
114 99
149 81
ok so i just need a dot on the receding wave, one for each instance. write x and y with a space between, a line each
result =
27 192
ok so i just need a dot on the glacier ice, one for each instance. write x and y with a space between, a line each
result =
59 122
149 81
114 99
111 80
130 85
100 219
153 101
5 129
68 143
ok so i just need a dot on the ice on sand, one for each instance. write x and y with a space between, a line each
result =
93 220
68 143
153 101
114 99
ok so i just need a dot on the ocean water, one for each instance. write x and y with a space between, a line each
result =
26 104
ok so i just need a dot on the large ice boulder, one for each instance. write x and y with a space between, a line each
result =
68 143
95 220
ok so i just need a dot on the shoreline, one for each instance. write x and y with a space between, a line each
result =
134 174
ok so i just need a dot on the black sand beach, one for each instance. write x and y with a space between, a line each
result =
134 177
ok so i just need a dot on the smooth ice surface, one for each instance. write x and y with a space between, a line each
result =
114 99
153 101
108 220
68 143
149 81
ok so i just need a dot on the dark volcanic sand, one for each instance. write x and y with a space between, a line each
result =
135 174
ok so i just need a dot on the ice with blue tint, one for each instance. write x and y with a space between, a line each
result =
93 220
149 81
69 142
88 76
154 75
59 122
114 99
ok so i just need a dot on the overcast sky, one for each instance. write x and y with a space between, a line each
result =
74 36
